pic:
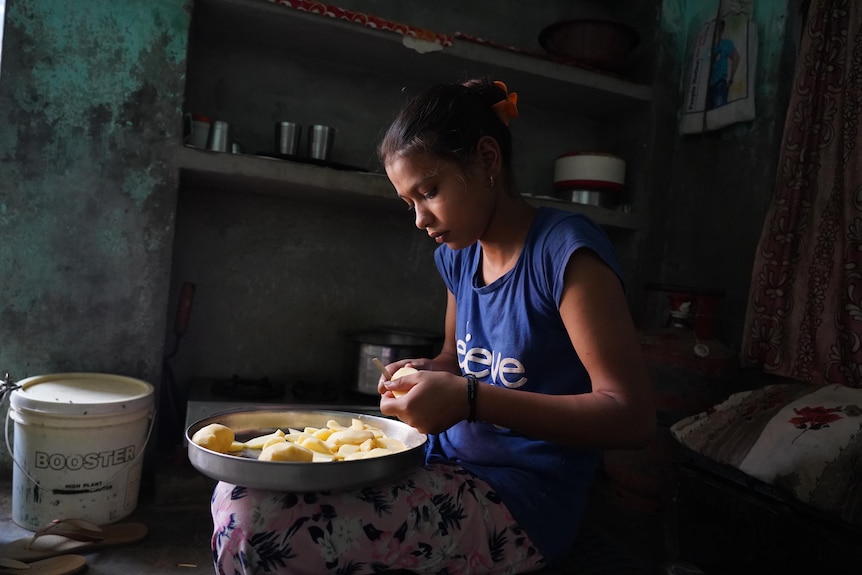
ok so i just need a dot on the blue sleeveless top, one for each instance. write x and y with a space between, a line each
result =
510 334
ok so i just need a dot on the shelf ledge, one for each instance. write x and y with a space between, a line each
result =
246 174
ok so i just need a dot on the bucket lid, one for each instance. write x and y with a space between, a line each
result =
82 394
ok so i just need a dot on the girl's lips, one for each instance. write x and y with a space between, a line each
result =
438 237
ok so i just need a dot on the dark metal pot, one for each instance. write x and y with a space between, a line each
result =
388 344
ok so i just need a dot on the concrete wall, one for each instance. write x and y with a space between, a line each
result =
90 100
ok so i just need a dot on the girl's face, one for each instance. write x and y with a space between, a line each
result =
451 204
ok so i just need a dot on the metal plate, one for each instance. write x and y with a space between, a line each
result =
292 476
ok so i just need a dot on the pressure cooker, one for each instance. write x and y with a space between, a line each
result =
388 344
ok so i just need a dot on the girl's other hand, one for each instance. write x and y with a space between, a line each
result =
420 363
434 400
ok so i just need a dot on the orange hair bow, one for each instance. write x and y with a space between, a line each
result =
507 108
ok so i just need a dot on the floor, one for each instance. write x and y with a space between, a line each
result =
174 504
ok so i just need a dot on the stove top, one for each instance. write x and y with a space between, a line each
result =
209 396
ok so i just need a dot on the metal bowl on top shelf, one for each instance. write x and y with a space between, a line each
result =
601 44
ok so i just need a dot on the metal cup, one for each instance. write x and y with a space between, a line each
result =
320 139
219 139
197 129
287 137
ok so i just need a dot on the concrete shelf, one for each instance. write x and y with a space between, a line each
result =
327 55
298 34
241 173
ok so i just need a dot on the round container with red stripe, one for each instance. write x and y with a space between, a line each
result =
589 171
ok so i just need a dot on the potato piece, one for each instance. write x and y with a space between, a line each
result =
215 437
390 443
347 449
315 444
295 436
286 451
353 436
273 441
399 374
334 425
367 445
237 446
259 441
377 452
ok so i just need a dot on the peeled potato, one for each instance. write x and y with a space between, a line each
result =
315 444
354 436
259 441
215 437
401 373
286 451
377 452
390 443
347 449
334 442
273 440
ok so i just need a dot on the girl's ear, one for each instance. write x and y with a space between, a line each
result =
488 151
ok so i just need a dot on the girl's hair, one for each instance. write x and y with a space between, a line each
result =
447 121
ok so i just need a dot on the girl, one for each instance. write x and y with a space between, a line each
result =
540 368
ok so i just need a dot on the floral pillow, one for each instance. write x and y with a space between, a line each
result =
804 440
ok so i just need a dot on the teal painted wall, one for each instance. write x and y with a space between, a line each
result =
90 100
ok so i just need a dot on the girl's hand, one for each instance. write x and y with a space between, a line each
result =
434 400
421 363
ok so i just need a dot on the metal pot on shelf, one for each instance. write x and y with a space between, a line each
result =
388 344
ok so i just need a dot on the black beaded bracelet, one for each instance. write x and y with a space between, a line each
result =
472 385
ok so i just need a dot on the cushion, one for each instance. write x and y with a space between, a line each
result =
802 439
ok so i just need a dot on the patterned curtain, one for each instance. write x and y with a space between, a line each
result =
804 316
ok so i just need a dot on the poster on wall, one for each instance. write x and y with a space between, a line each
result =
720 84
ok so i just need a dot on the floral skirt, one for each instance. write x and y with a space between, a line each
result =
438 519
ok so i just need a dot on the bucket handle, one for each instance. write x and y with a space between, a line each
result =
103 483
7 384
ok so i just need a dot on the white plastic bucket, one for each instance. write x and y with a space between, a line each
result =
79 442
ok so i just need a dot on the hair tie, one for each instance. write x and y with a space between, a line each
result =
506 108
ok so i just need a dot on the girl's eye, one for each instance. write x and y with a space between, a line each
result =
431 193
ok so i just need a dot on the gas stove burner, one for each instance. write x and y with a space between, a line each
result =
314 392
240 388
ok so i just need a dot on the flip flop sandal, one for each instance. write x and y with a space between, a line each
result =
63 536
60 565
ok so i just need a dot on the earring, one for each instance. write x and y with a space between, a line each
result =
492 182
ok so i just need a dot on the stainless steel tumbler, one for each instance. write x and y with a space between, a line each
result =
320 139
287 137
219 139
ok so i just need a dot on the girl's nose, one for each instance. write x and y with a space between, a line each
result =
423 218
